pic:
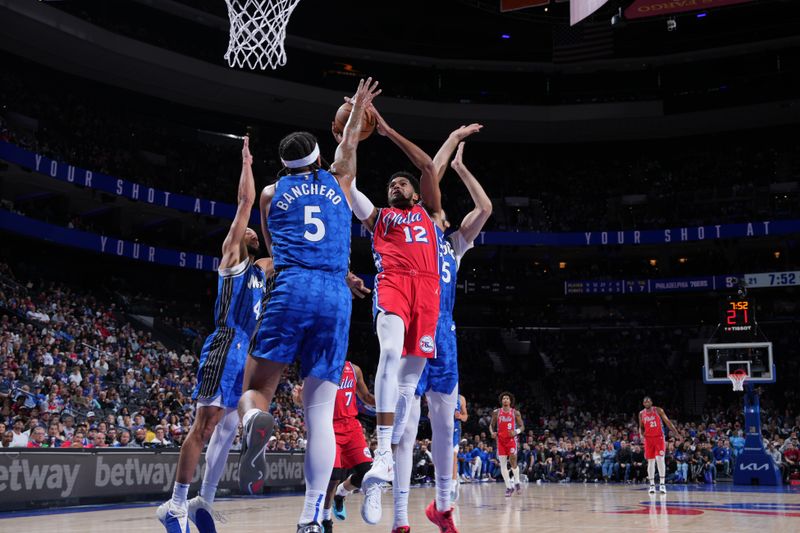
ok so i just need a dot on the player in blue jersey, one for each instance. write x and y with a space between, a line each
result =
241 287
306 222
439 382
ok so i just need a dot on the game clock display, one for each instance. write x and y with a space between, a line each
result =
738 317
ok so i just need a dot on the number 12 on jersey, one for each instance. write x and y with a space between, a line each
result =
420 234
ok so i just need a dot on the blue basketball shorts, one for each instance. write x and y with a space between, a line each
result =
307 317
221 370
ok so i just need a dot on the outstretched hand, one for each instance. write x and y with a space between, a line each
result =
337 135
465 131
366 92
380 123
247 158
458 161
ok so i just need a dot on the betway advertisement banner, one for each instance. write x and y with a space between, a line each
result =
33 476
658 8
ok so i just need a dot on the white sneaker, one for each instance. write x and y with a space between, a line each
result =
652 489
202 515
662 488
382 470
371 509
174 518
454 490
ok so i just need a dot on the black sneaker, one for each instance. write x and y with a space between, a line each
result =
339 510
252 462
327 526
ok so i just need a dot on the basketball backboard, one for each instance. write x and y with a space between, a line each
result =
755 358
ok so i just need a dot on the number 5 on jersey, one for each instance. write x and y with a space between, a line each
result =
319 227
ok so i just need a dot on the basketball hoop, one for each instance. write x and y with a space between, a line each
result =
737 377
258 29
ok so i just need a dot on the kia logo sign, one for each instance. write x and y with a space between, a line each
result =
754 467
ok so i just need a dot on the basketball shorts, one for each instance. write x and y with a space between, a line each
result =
414 297
351 448
221 370
307 317
654 447
506 446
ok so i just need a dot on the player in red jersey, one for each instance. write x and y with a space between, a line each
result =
505 426
352 452
651 432
405 298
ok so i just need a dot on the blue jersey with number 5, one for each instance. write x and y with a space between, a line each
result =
309 221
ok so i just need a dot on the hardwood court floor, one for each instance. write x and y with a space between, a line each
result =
483 508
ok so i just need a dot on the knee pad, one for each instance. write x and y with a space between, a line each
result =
358 475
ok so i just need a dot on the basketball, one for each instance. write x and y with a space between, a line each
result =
343 113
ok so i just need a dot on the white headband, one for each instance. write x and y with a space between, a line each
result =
304 162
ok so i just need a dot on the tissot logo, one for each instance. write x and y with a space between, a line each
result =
754 467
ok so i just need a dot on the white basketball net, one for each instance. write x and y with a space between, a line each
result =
258 29
738 378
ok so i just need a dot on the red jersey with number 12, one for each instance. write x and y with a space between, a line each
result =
345 406
405 239
506 424
652 423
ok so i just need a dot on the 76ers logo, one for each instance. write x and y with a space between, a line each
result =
426 344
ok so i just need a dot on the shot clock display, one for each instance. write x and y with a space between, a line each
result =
738 318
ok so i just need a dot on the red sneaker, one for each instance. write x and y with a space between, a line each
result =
442 519
402 529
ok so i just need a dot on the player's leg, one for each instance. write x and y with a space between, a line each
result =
327 512
391 334
441 408
662 468
200 507
650 455
512 458
174 513
410 370
344 489
403 466
319 397
261 378
353 454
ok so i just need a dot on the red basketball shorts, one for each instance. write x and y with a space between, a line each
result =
654 447
351 448
414 297
506 446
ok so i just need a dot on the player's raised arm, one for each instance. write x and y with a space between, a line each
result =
361 387
264 204
444 154
474 221
427 182
234 250
344 164
667 421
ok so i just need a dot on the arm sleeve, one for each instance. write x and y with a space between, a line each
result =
460 245
362 206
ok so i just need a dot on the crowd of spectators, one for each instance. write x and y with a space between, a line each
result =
74 372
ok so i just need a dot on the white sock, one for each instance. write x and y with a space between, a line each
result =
662 468
504 470
327 513
179 493
385 438
217 453
312 507
319 397
249 414
341 491
651 471
441 408
515 471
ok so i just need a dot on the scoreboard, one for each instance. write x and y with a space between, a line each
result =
737 318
